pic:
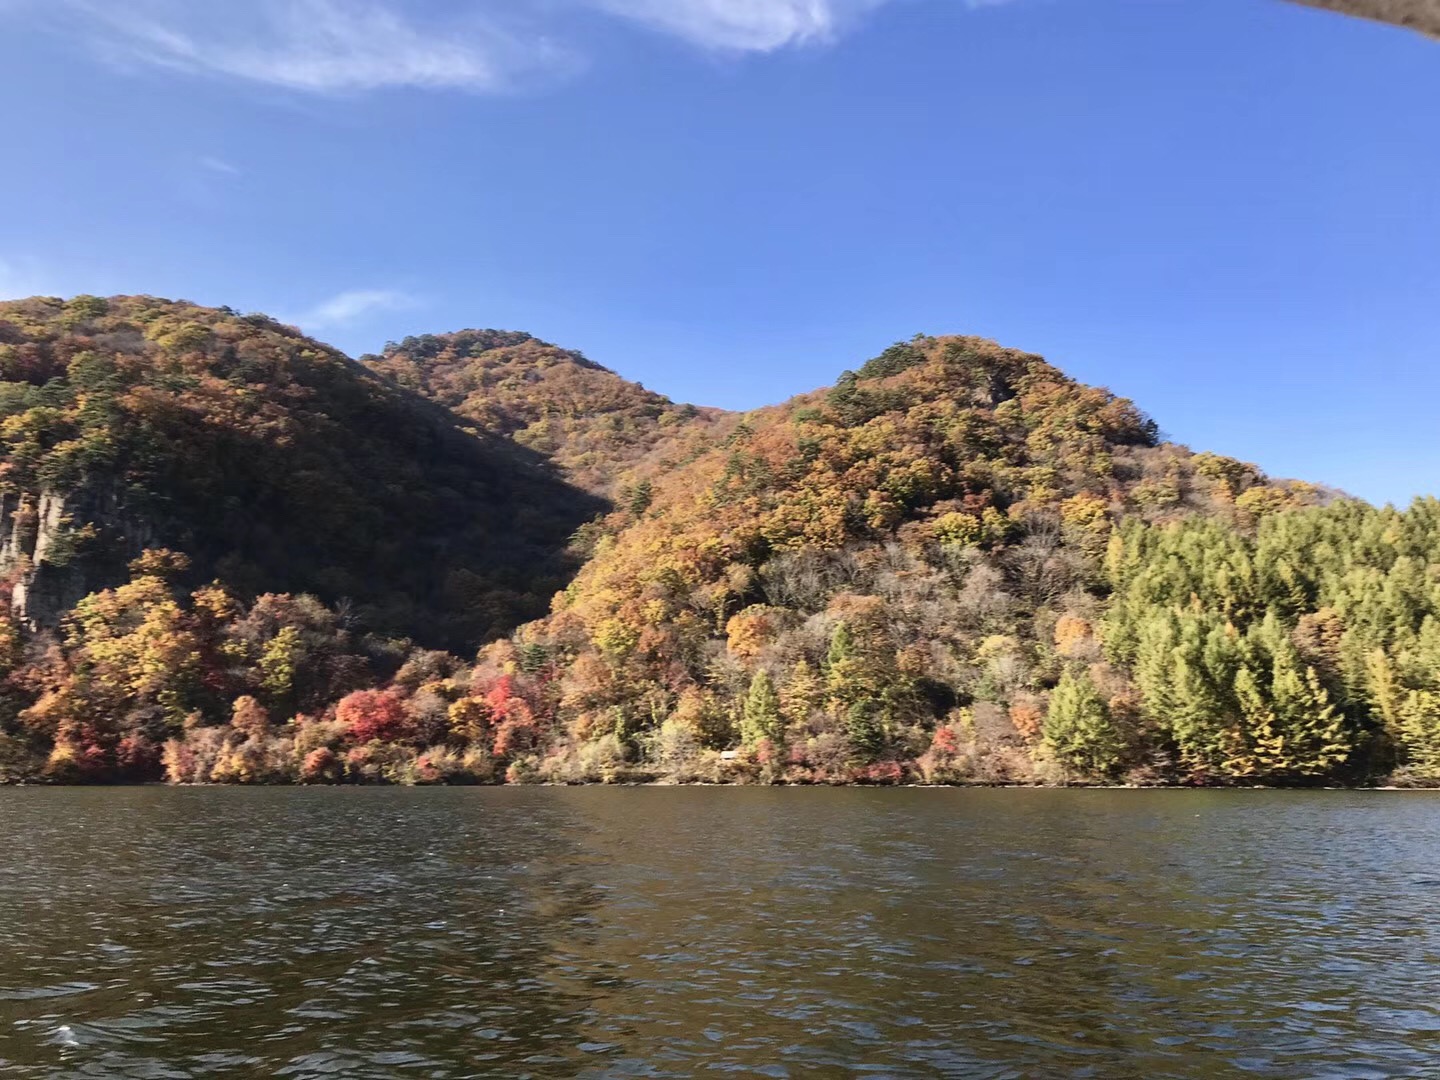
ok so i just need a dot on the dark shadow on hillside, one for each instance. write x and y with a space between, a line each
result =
386 505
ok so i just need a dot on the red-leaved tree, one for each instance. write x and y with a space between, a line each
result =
370 715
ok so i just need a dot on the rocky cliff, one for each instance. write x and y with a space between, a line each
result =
56 547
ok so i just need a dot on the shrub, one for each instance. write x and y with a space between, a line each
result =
373 716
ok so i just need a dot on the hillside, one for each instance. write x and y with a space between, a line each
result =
882 579
602 431
957 565
271 461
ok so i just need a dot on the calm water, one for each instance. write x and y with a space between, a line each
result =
668 932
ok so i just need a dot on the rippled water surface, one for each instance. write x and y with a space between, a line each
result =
677 932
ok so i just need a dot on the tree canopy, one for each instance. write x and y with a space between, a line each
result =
233 555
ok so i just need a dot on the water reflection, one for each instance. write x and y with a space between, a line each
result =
661 932
301 934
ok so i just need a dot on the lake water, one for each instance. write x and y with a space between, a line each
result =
358 933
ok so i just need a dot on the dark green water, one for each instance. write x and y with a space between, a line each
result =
682 932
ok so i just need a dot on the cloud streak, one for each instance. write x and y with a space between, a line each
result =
321 46
348 308
219 165
350 46
744 25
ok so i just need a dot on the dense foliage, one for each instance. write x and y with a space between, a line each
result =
605 433
150 680
273 462
1307 648
912 565
957 565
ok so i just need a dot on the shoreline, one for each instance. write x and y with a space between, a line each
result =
712 784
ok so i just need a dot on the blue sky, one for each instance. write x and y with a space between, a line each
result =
1228 210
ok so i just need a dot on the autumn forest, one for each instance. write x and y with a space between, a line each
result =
231 554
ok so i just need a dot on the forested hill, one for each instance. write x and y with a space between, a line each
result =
905 576
956 565
605 433
271 461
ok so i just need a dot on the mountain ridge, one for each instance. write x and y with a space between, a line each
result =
956 565
254 447
594 424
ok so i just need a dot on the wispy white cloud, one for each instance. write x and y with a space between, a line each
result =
744 25
326 46
219 165
343 46
348 308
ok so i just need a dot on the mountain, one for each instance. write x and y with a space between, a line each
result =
600 430
273 462
913 554
957 565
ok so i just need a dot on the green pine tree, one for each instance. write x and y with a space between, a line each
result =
865 729
1316 741
842 645
1078 728
1419 728
760 717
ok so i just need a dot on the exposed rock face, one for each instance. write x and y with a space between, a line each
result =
60 547
1422 15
